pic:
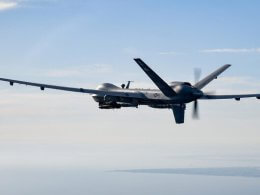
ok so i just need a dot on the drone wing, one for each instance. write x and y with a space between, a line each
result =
158 81
202 83
130 94
236 97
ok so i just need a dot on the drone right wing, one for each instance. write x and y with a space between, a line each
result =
236 97
158 81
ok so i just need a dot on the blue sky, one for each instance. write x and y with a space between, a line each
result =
85 43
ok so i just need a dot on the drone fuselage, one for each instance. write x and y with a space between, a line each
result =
186 93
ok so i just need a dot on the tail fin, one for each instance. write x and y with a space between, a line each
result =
179 113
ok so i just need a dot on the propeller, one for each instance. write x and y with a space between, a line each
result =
197 74
195 112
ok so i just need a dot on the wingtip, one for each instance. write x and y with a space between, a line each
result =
226 66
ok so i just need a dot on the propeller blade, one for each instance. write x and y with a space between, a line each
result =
197 74
195 113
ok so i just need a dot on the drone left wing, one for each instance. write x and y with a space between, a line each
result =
79 90
236 97
202 83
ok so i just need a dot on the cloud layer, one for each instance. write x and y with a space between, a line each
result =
6 5
219 171
232 50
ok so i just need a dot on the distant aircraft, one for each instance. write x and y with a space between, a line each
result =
173 95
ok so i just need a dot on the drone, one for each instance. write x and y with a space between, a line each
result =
174 95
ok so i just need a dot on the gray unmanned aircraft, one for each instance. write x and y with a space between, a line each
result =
173 95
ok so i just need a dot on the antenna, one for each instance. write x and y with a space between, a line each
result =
128 84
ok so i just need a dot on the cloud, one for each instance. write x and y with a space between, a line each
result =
232 50
11 4
6 5
218 171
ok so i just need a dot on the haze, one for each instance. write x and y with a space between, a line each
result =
57 136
